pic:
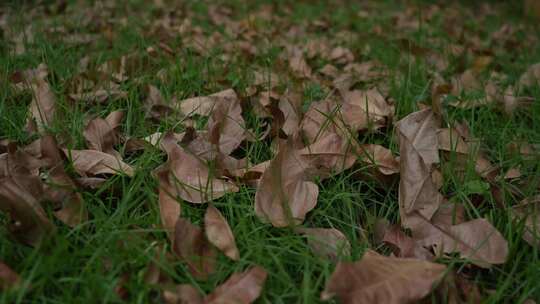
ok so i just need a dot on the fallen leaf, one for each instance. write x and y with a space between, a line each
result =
169 207
528 211
61 189
183 294
418 153
193 248
531 77
251 175
240 288
155 105
476 240
43 105
8 277
364 108
450 140
226 125
219 233
321 119
20 197
204 105
406 246
379 279
330 154
285 195
298 64
100 95
192 179
289 104
96 162
328 243
101 134
380 158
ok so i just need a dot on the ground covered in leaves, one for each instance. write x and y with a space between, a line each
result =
203 152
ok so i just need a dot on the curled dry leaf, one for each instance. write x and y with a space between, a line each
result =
380 158
183 294
96 162
330 154
192 247
111 91
20 196
328 243
418 152
528 211
406 246
476 240
43 105
191 178
362 108
321 119
450 140
379 279
226 125
285 195
531 77
289 104
8 277
204 105
298 64
101 134
240 288
61 189
251 175
219 233
155 106
169 207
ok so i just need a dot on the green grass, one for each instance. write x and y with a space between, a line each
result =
84 264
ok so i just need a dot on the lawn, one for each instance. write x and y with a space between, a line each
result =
356 152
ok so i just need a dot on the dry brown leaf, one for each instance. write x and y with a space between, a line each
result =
362 108
330 154
155 105
183 294
450 140
251 175
43 105
192 247
20 197
379 157
528 211
169 207
219 233
240 288
406 246
61 189
191 178
96 162
476 240
101 134
289 104
226 125
379 279
321 119
418 152
285 195
100 95
204 105
328 243
531 77
298 64
8 277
